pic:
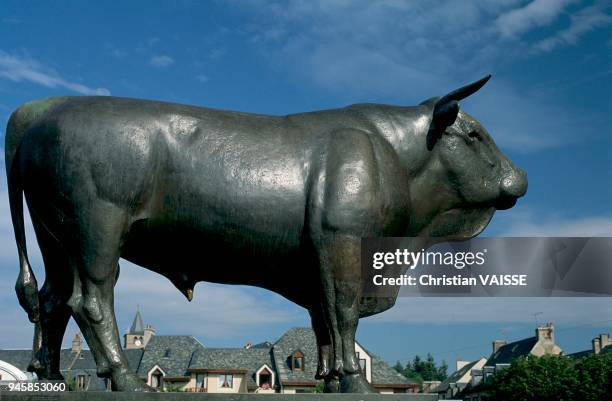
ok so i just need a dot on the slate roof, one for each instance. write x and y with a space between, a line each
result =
454 377
248 360
19 358
506 353
177 355
303 339
580 354
137 325
294 339
93 382
171 353
382 373
133 357
71 365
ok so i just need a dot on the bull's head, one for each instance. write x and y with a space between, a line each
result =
467 177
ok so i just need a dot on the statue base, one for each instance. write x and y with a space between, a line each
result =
125 396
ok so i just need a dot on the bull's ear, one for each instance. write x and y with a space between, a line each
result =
446 109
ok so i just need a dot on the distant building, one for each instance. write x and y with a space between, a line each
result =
599 345
543 343
182 363
458 380
139 335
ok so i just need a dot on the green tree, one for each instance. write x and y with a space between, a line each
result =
554 378
549 378
421 370
594 375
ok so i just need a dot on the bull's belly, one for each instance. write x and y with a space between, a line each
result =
186 256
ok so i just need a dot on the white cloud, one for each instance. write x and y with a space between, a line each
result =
18 69
490 310
202 78
584 21
537 13
114 51
405 52
161 61
528 225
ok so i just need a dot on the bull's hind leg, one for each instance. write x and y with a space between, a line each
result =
92 300
54 312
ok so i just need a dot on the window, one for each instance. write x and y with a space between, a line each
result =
265 379
157 380
81 382
226 381
167 353
199 380
297 361
363 365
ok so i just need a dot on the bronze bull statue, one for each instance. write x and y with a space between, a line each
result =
282 200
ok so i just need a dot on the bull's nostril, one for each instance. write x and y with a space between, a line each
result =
514 184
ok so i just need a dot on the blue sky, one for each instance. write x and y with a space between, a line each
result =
548 107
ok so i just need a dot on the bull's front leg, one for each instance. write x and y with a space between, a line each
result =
341 262
343 207
325 349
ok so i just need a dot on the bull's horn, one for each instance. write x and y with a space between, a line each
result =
465 91
446 110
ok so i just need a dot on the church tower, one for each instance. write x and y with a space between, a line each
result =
139 335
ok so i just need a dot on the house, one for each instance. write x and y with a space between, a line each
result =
599 345
11 363
182 363
543 343
458 380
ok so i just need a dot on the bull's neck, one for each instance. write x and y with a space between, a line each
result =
405 128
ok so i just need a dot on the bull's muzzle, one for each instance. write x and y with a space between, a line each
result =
513 185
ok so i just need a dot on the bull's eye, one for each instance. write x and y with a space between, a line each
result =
475 136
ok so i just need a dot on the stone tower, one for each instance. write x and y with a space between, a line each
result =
139 335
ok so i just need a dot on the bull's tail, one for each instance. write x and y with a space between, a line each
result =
26 286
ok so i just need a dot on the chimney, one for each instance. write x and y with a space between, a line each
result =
149 331
605 340
497 344
546 333
77 344
461 364
597 345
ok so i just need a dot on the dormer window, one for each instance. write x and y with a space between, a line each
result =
264 377
297 361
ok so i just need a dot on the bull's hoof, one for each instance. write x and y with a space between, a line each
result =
36 367
355 383
104 370
127 381
42 371
332 385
